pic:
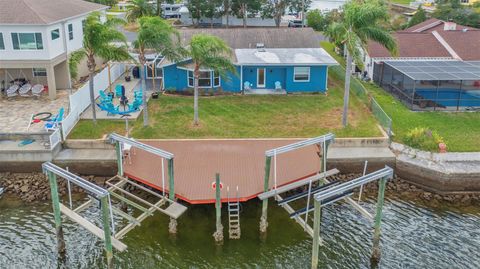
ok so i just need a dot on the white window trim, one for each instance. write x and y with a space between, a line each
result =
203 87
68 30
213 80
3 41
36 75
18 39
264 78
295 73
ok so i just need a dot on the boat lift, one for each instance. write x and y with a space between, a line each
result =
117 191
325 193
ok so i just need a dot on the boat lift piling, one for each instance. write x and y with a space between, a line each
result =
119 140
218 234
322 142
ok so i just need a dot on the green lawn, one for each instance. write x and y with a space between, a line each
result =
461 130
403 2
239 116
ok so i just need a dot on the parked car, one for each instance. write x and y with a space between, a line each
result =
295 23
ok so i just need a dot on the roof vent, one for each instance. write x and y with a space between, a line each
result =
464 30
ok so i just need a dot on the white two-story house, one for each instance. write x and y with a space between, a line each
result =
36 38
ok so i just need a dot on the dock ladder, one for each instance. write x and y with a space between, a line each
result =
233 216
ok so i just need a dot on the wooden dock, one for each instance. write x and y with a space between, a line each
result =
240 162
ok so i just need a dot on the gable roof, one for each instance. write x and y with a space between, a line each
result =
244 38
431 25
43 12
466 44
411 45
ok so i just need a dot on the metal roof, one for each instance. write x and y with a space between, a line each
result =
438 70
295 56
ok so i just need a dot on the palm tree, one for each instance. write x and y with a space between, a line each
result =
100 39
138 9
156 35
208 52
361 22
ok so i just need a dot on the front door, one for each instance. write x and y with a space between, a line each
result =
261 78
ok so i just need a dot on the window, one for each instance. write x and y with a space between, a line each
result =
2 45
55 34
261 77
70 31
204 80
27 41
216 79
301 74
39 72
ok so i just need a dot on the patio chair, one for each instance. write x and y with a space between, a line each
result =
111 109
278 86
247 85
119 90
138 94
55 122
104 97
23 91
13 90
37 89
135 105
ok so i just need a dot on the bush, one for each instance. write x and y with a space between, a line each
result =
423 138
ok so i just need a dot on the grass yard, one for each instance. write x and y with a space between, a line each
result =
239 116
460 130
403 2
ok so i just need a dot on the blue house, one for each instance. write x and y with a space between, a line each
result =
266 60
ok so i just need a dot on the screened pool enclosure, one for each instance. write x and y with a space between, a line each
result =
432 85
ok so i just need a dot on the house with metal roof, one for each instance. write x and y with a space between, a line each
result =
36 38
266 61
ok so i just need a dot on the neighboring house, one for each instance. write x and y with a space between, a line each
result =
231 20
36 38
432 40
282 59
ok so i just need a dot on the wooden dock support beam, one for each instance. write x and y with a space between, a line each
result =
172 225
378 220
52 178
106 230
316 232
218 234
263 218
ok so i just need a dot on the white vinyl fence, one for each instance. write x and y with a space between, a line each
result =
80 100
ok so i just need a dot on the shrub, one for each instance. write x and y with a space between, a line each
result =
317 20
423 138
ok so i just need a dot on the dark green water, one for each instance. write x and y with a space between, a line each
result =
413 236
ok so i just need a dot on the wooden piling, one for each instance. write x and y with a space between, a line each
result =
263 218
218 235
106 230
52 178
171 182
378 220
118 150
316 233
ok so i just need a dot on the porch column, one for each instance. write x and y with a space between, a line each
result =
52 87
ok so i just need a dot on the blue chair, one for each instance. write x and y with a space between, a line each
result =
54 123
111 108
138 94
118 90
247 85
135 106
278 85
104 97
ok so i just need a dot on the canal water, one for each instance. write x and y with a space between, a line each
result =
413 236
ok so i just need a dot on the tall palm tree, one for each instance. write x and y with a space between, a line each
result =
100 39
155 35
360 23
138 9
208 52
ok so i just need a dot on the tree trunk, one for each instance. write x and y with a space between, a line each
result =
91 75
244 15
144 93
346 96
159 7
226 10
195 96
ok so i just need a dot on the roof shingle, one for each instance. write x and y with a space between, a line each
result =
43 12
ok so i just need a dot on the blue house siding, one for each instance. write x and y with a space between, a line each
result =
177 78
284 74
